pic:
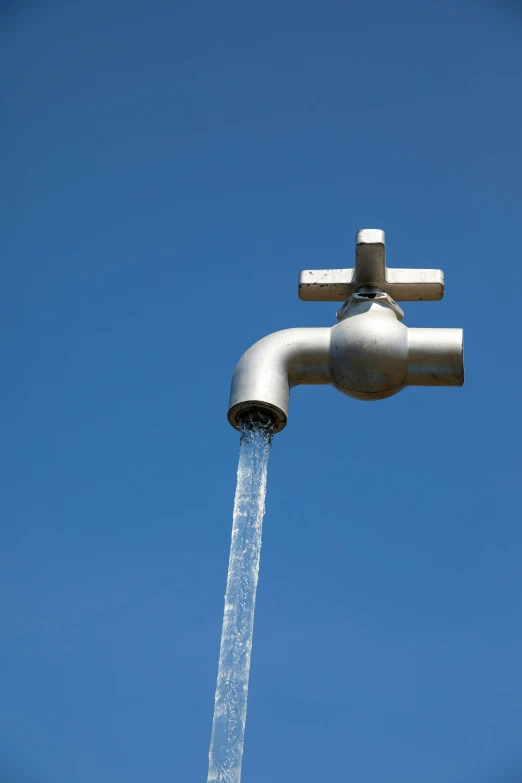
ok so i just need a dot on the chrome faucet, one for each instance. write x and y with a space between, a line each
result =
369 354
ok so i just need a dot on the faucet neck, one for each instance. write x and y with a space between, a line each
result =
370 298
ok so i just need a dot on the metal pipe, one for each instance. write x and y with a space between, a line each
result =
435 357
271 367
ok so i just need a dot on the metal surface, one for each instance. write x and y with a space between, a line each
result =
370 295
373 355
369 355
403 285
271 367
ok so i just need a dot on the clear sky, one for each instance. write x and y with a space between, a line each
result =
167 168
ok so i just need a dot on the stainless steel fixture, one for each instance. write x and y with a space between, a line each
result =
369 355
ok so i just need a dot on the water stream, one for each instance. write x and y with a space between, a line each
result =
228 727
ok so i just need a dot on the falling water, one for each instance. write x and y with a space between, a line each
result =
228 728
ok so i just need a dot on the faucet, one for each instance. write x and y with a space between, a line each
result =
369 355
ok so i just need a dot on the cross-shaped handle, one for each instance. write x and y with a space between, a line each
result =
403 285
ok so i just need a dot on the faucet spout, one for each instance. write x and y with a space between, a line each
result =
271 367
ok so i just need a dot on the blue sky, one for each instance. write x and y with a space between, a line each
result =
167 170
